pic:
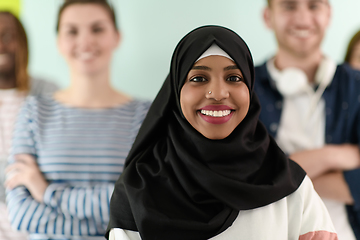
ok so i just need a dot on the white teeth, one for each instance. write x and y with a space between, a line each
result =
215 113
4 58
85 55
302 33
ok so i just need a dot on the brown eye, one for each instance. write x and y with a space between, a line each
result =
72 32
289 6
198 79
234 79
314 6
97 30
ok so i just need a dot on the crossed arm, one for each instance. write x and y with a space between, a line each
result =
25 172
325 167
38 206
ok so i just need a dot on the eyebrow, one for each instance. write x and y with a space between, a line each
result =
320 1
285 2
230 67
95 23
99 22
209 69
296 2
201 68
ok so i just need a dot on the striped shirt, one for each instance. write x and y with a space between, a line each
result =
81 153
11 101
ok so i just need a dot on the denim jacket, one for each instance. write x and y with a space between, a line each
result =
342 124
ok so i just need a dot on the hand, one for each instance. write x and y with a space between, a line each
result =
345 156
333 186
25 172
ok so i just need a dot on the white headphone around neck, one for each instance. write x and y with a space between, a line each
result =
293 80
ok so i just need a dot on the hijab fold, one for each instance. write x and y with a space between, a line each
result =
177 184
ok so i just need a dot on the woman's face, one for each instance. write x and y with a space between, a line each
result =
214 98
87 38
355 56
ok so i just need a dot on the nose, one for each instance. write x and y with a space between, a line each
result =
5 39
85 40
303 15
218 90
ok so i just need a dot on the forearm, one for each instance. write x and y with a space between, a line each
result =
333 186
315 161
328 158
26 214
90 202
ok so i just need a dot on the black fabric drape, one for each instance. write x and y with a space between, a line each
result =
177 184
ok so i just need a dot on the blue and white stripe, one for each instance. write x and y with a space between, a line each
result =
81 152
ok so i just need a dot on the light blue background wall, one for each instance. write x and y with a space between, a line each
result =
152 28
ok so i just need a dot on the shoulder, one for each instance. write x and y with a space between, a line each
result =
40 100
313 215
31 102
142 103
41 87
261 69
269 96
305 189
346 75
133 112
345 86
139 105
305 194
138 109
262 83
305 198
261 73
37 105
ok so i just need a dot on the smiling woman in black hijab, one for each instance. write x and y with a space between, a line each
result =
203 165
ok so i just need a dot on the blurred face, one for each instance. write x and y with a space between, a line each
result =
8 44
299 25
214 98
355 57
87 38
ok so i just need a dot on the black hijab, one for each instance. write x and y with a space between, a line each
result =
177 184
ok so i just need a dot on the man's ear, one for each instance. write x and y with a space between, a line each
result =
329 15
267 17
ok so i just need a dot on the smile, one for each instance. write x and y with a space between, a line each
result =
4 59
85 56
301 33
216 116
215 113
